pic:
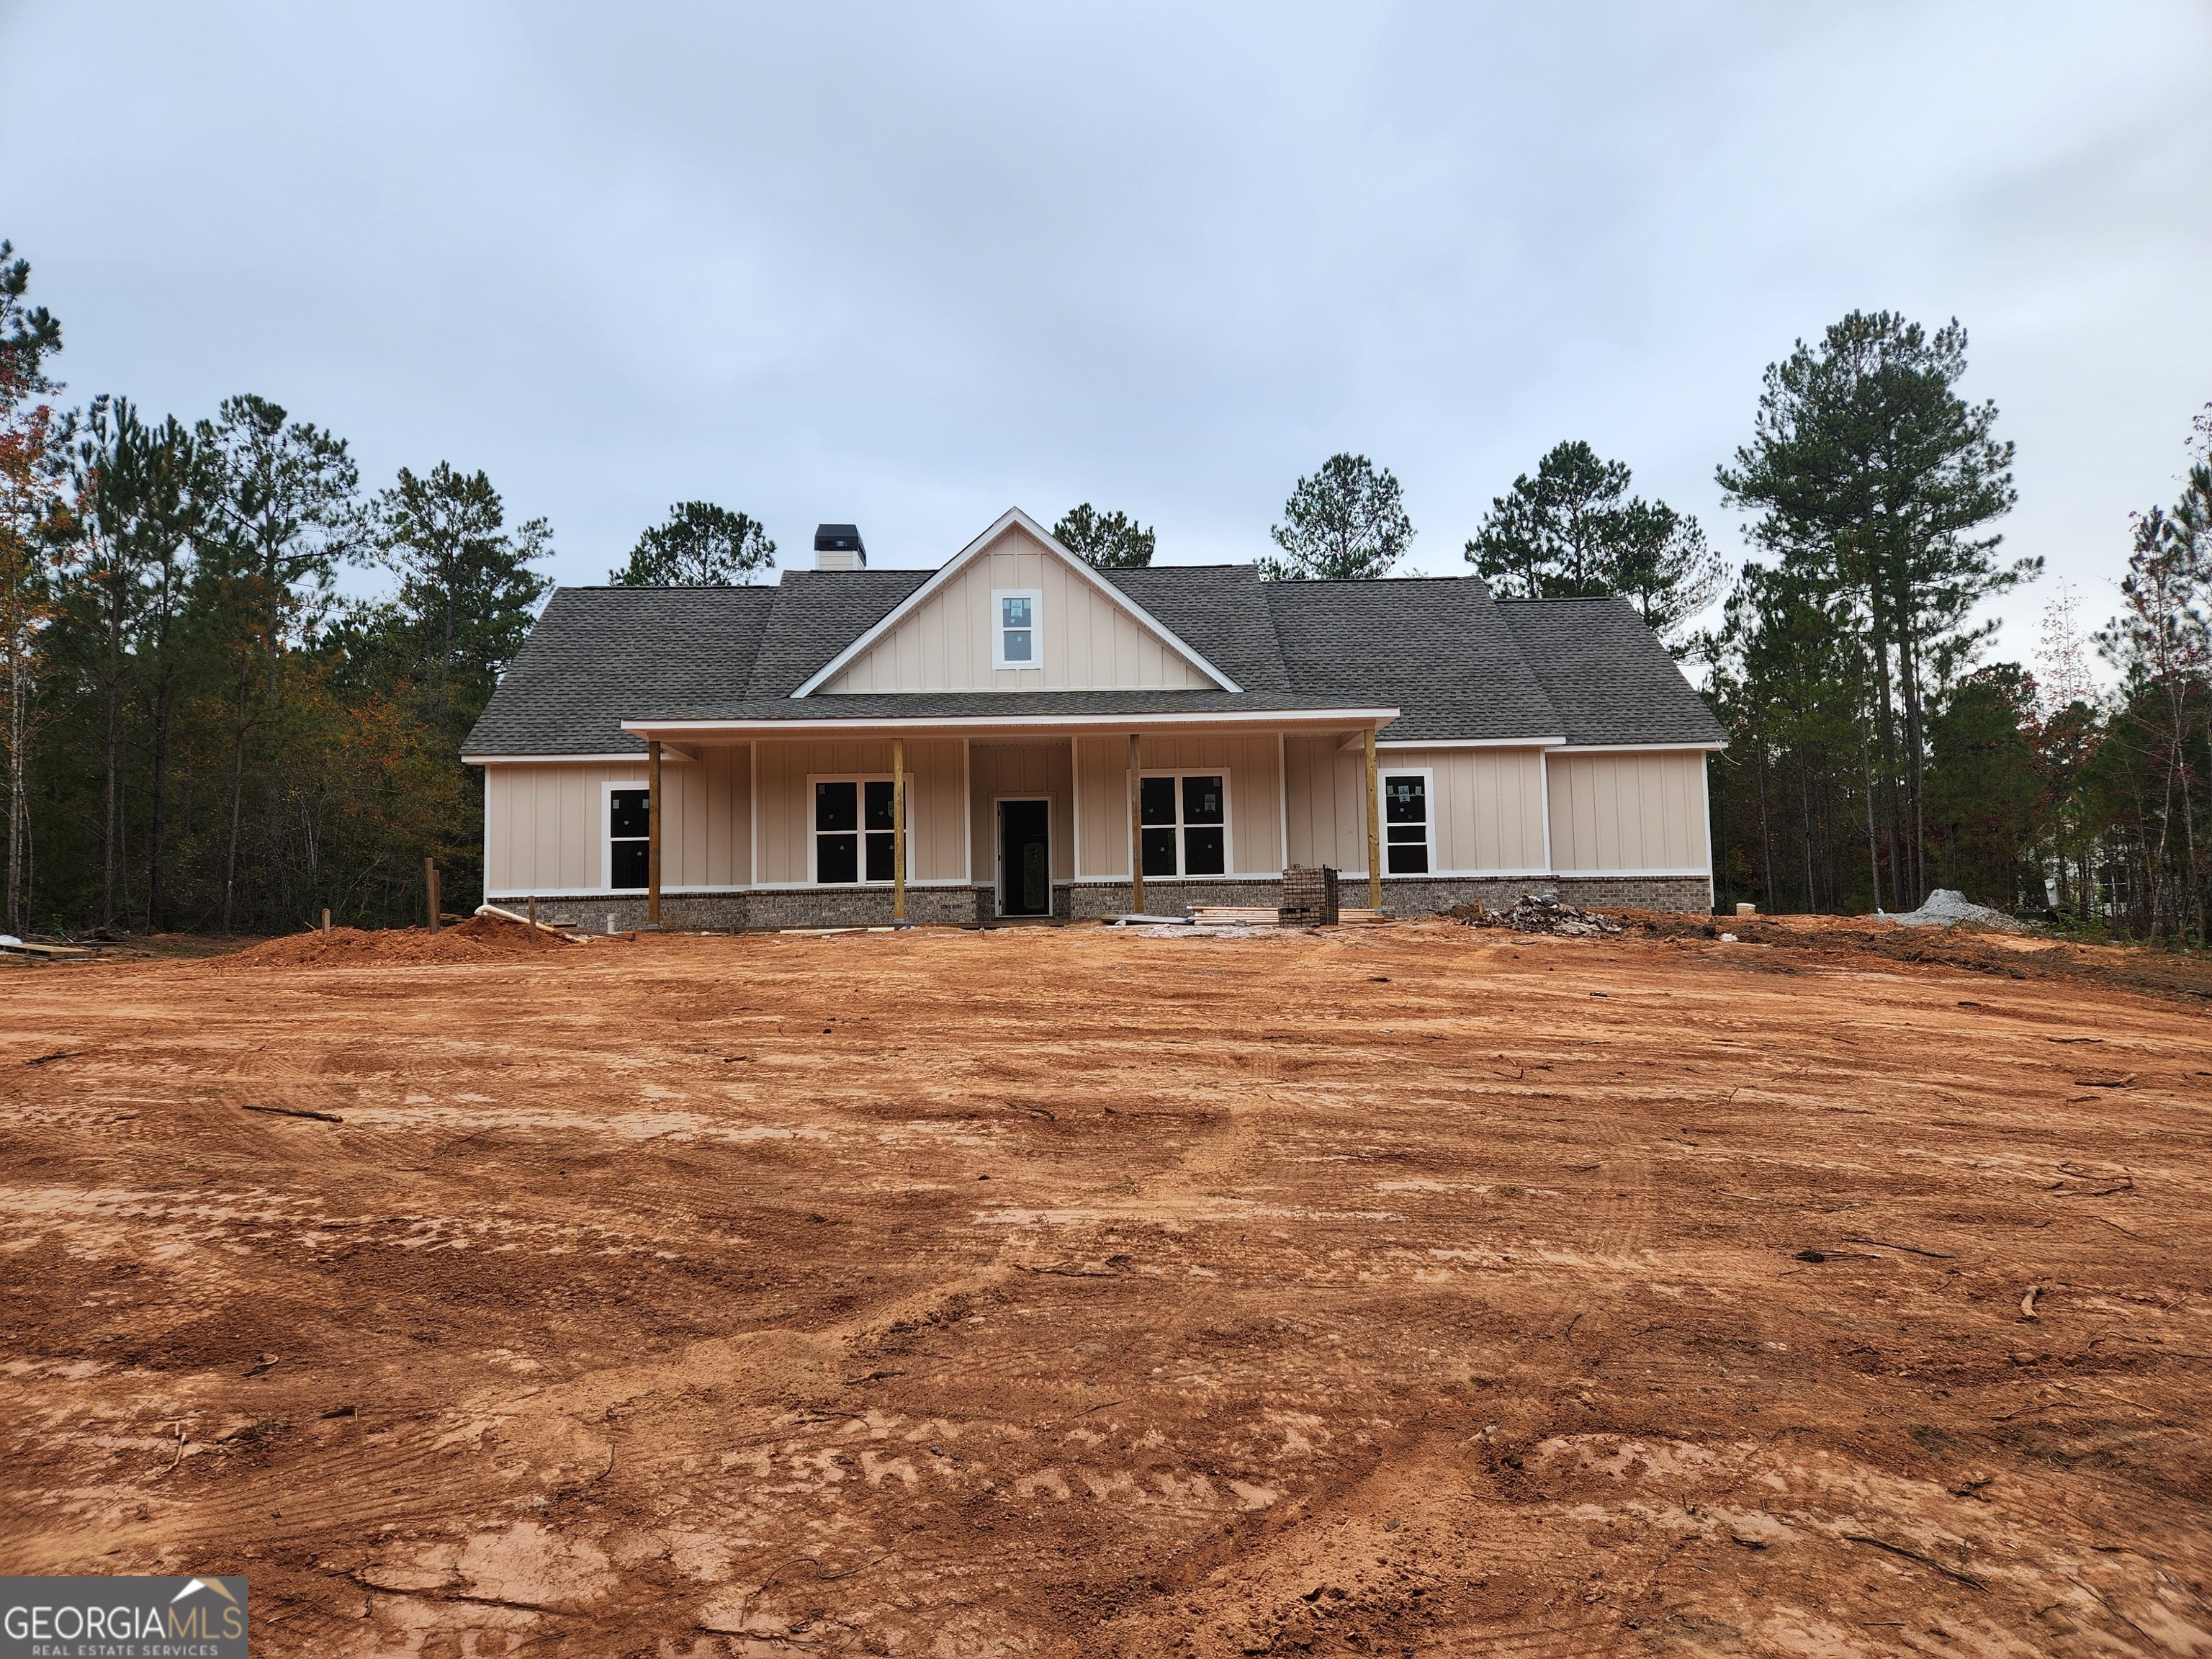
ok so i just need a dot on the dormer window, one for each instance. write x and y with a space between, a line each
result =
1016 641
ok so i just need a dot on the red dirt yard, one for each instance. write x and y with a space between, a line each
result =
1405 1290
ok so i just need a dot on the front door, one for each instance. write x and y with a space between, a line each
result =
1025 858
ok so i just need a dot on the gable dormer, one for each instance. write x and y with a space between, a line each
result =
1017 611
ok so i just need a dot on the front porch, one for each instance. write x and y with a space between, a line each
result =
978 826
815 822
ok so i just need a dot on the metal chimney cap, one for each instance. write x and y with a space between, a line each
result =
838 539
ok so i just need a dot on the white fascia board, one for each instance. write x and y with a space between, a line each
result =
1465 743
634 757
1007 521
1564 747
1316 719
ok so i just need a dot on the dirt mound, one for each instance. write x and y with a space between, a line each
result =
1537 912
481 939
2118 967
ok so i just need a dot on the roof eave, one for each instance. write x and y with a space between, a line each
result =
1318 720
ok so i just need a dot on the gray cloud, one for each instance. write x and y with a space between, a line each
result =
907 265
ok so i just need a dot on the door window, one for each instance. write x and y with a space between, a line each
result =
630 821
1406 823
1182 822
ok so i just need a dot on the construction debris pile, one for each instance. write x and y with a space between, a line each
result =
1536 913
1947 906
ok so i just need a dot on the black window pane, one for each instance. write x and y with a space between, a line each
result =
1160 852
836 806
1156 800
879 857
626 812
1406 832
837 858
1202 853
631 863
1408 859
1405 800
1202 800
879 804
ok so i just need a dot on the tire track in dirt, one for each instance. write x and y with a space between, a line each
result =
709 1355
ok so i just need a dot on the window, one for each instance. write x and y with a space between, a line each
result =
1015 640
1183 820
853 829
628 824
1406 823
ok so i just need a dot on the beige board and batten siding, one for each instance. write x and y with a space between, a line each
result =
1024 771
1629 810
545 824
1085 640
1486 813
1251 762
938 851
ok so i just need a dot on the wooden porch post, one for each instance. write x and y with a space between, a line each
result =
899 829
1374 828
1136 832
653 832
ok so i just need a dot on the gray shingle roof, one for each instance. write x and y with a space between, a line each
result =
598 653
1433 648
1607 673
818 614
1456 664
1219 610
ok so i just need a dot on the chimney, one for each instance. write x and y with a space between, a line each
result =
837 547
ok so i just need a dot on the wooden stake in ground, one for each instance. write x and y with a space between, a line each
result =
533 909
653 832
1136 832
326 918
430 889
1374 828
899 829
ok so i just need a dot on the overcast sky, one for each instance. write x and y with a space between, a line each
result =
908 265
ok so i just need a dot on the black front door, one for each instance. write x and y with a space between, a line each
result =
1024 859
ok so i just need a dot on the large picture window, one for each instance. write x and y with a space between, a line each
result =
1183 820
1406 823
853 831
630 822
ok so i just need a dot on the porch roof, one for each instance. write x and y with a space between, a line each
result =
965 713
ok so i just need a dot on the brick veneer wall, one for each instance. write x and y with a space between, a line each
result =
1172 898
870 907
1404 897
796 907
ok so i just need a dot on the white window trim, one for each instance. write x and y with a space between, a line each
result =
1036 597
813 836
607 787
1229 870
1428 777
999 844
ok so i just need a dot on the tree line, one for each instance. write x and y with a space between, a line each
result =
200 733
1877 751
